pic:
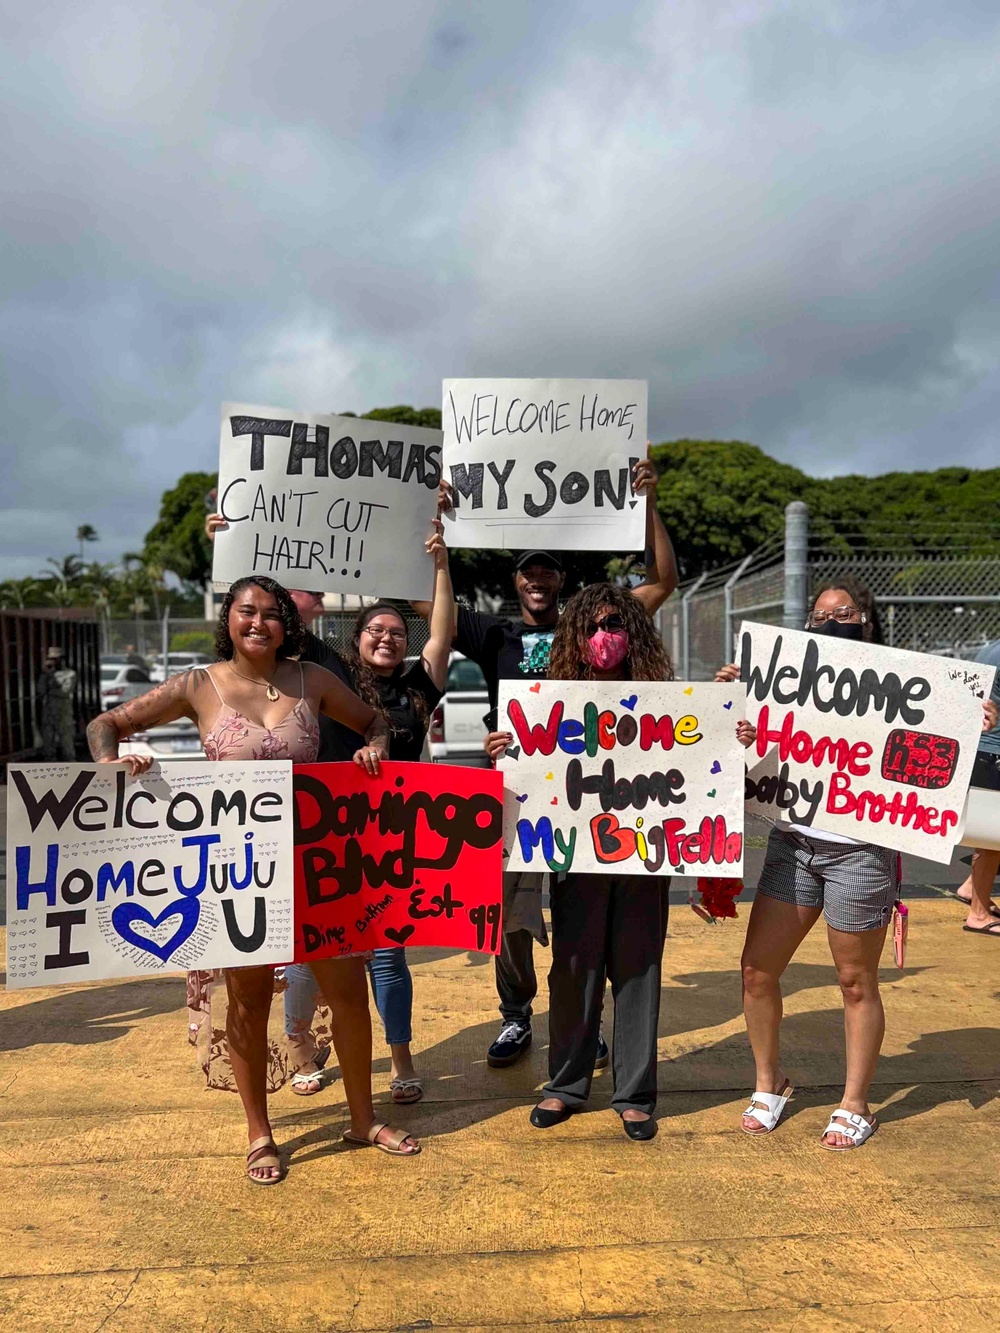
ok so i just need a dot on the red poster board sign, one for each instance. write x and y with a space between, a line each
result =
412 857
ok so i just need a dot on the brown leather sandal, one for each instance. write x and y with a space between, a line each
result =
264 1153
394 1144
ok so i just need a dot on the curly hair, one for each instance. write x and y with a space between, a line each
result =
647 658
366 682
294 640
862 597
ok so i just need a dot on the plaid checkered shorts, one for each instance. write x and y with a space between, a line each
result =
856 885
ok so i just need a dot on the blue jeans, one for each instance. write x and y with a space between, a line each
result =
301 999
392 987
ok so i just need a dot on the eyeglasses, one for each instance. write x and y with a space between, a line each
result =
377 632
611 624
840 613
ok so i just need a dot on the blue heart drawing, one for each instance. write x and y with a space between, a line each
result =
630 702
188 909
729 704
716 767
521 799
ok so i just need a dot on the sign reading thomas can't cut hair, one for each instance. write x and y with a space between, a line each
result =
868 742
339 504
544 463
184 867
637 778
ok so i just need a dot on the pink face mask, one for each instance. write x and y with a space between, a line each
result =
607 649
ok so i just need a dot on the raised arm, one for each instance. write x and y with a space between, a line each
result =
343 705
661 564
445 502
167 703
443 612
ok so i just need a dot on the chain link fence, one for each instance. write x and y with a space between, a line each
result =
934 596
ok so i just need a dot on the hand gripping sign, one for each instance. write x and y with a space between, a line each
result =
410 857
624 779
544 463
853 738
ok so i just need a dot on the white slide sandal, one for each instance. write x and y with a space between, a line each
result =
853 1127
767 1109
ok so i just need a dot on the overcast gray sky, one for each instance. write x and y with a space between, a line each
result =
782 213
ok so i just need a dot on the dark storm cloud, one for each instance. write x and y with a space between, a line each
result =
784 215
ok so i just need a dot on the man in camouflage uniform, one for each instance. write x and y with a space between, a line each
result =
56 688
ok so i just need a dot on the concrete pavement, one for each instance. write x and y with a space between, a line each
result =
125 1206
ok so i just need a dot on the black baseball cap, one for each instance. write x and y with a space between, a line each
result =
545 558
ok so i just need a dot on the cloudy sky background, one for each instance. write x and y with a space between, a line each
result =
784 215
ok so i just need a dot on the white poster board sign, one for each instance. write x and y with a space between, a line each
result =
335 504
544 463
868 742
623 779
188 866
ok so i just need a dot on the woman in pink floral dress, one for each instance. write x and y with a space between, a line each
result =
256 704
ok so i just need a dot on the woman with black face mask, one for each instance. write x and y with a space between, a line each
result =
808 874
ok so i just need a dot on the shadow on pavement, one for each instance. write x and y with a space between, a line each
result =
84 1017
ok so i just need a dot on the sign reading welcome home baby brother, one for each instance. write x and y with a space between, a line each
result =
869 742
544 463
339 504
623 779
113 876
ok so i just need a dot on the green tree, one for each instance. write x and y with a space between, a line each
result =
85 533
177 541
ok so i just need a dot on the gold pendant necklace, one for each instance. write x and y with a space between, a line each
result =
269 693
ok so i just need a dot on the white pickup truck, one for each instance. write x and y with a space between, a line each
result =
457 729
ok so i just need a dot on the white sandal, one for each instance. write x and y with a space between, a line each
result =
767 1109
410 1090
855 1127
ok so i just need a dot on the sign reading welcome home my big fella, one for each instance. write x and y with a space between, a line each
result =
339 504
623 778
853 738
544 463
113 876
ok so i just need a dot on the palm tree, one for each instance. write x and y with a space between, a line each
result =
62 581
86 533
19 593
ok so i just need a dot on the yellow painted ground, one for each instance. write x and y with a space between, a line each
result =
125 1208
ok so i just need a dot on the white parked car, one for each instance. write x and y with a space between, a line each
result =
121 682
170 740
177 662
458 727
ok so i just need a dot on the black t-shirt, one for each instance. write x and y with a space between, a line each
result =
337 743
408 728
504 649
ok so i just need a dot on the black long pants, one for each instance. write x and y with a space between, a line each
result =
614 927
515 974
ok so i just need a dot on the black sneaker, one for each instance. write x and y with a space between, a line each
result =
603 1054
513 1041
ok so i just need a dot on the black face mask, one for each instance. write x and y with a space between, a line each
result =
837 629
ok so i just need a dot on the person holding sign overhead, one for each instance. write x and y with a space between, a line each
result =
404 695
519 650
604 926
807 874
257 703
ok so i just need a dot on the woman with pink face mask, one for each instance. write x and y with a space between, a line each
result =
604 927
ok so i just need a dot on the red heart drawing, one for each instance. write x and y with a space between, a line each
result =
533 689
554 801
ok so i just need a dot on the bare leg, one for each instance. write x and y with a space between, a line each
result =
984 870
250 990
344 983
775 931
402 1061
856 956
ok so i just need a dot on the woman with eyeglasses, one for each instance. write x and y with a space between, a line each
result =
604 926
404 694
808 874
